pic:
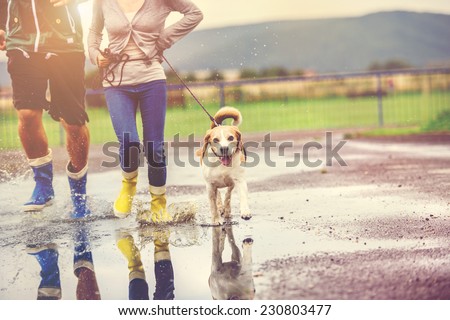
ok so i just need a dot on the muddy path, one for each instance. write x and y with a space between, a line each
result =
378 228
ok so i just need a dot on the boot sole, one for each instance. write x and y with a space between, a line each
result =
36 207
121 215
34 250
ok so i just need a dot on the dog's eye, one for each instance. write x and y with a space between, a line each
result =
230 138
215 140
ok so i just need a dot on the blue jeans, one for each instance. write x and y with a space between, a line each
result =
122 103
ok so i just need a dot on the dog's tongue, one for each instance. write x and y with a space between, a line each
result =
226 160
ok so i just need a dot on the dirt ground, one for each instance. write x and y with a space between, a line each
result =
416 271
378 228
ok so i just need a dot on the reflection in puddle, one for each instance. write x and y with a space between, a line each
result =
197 253
183 261
138 287
47 256
231 280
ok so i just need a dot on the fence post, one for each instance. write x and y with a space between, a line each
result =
380 101
222 94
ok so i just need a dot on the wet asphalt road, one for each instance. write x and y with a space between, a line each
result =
376 229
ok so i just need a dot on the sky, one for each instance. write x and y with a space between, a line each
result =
219 13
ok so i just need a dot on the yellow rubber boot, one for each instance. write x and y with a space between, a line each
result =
124 202
158 205
158 208
126 245
161 242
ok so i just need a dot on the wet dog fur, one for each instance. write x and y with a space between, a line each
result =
221 158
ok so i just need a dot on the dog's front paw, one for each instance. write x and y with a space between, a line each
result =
216 223
246 214
220 209
227 212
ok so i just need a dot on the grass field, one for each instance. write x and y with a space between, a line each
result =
399 110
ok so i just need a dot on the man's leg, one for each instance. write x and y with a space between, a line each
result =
35 144
67 105
77 143
29 82
32 133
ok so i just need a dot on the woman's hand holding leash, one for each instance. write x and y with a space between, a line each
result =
102 61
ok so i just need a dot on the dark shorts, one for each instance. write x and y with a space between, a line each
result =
63 74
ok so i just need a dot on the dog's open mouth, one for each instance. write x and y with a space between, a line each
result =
225 160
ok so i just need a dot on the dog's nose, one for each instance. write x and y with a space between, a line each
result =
224 150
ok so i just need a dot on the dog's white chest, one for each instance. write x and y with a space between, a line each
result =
221 176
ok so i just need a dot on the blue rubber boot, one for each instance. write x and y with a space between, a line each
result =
82 257
43 193
164 289
83 265
77 182
47 257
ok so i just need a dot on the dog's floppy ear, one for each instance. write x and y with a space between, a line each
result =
201 152
244 153
240 144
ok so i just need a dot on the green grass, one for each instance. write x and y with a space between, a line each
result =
395 131
441 123
404 110
408 111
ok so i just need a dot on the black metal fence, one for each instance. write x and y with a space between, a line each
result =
377 84
399 98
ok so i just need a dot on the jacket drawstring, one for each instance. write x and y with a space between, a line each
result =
71 21
25 54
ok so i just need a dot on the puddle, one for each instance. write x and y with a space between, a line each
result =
300 229
296 224
439 171
410 149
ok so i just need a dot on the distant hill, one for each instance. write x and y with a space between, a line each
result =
325 45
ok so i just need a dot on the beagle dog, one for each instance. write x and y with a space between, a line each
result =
231 280
221 158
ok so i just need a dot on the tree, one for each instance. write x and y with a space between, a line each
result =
274 72
297 72
391 64
190 77
171 77
248 73
215 75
